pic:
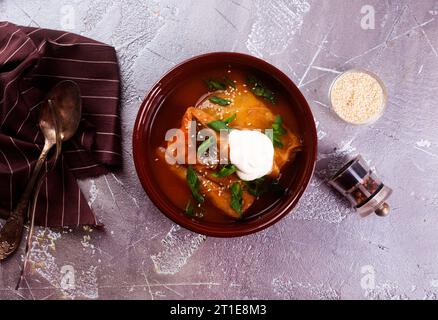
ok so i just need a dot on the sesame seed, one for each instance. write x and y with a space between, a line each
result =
357 97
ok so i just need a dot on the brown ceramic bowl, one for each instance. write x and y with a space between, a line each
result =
304 163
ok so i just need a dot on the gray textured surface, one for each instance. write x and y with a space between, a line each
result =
323 249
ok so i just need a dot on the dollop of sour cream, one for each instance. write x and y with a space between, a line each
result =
251 152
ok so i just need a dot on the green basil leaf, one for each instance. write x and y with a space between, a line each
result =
230 119
230 83
278 131
218 125
225 171
278 120
256 187
251 80
207 143
259 90
214 85
269 95
236 197
261 186
220 101
193 183
277 125
277 142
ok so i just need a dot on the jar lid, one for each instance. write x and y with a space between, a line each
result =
376 203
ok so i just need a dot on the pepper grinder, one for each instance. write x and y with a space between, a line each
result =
365 191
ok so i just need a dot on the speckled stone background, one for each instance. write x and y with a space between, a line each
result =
323 250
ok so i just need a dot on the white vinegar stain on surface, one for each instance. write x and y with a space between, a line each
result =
429 295
276 23
392 291
93 192
44 263
319 203
385 291
320 133
434 283
179 245
287 289
423 143
41 257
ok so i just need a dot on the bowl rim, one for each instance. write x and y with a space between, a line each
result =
232 230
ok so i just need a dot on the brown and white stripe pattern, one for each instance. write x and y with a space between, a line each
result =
32 60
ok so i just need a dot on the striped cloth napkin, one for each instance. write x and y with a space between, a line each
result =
32 61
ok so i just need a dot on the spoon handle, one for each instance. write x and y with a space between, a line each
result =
32 208
10 234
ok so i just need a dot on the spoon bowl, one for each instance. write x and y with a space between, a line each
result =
67 99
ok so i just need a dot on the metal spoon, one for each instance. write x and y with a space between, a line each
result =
36 191
62 109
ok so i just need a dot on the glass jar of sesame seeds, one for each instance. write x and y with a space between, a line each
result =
358 96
